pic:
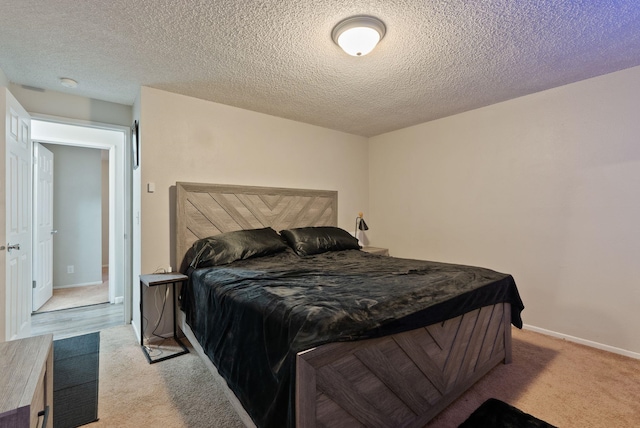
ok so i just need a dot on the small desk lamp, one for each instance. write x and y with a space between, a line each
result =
360 224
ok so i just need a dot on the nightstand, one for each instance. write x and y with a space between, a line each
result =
154 280
376 250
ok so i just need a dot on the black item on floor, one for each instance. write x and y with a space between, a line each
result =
494 413
75 380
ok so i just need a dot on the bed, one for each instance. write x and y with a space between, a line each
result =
259 321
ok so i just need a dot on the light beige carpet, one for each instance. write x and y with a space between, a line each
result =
180 392
565 384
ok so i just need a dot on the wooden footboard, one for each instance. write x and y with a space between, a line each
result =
403 380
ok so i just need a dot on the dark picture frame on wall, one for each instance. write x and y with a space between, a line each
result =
135 145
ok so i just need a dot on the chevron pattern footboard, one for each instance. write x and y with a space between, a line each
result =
402 380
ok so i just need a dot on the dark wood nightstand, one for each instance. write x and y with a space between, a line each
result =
153 280
376 250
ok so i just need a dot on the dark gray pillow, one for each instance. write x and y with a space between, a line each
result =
306 241
231 246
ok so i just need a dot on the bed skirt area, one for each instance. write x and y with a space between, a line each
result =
235 403
404 379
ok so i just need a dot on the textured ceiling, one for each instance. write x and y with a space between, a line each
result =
439 57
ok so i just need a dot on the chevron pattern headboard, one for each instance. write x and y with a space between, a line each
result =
204 210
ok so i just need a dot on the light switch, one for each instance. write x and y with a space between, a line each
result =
151 187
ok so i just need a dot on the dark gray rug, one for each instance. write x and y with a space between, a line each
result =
75 380
494 413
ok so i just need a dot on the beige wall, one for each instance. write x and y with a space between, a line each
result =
77 207
188 139
544 187
69 106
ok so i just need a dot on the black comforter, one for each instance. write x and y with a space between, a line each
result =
252 316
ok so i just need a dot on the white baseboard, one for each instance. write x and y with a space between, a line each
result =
136 330
585 342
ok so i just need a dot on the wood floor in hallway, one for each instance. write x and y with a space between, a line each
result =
76 321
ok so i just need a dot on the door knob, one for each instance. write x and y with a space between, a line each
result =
13 247
53 232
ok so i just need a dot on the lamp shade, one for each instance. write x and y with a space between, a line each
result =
360 225
358 35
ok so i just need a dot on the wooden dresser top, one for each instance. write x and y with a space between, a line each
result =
21 363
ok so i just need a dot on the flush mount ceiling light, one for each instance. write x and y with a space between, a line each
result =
68 83
358 35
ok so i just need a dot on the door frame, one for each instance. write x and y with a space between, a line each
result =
120 261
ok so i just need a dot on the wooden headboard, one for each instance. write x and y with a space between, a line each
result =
204 210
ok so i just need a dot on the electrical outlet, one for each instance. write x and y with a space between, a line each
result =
70 269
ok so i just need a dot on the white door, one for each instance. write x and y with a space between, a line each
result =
43 231
18 284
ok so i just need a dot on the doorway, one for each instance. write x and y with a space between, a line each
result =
107 144
79 211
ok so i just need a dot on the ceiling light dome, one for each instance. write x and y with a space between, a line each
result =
358 35
68 83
